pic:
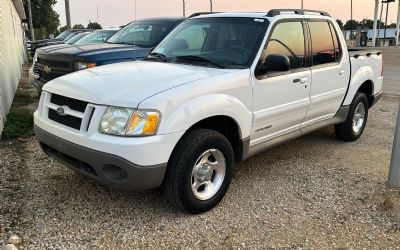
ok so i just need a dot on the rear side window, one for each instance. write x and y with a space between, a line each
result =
336 43
323 47
287 39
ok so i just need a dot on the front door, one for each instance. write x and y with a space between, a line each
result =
281 99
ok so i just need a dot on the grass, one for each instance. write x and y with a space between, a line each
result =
19 123
21 99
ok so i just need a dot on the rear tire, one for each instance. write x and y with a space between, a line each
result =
199 171
354 126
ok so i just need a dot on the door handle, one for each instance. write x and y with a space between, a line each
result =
341 72
302 80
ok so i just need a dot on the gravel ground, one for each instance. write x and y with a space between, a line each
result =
314 192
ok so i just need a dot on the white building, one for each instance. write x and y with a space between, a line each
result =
12 52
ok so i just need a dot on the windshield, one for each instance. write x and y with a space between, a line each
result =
63 35
76 38
142 34
96 37
223 42
70 36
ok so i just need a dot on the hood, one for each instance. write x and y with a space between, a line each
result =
127 84
102 51
45 41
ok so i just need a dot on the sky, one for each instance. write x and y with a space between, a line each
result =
113 13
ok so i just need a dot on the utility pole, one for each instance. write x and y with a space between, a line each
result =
302 4
135 9
67 14
351 21
97 21
387 12
375 23
211 6
394 171
30 21
398 25
184 8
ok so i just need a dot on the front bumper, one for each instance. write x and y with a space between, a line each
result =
106 168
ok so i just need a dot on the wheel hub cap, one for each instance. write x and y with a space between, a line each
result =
359 117
205 173
208 174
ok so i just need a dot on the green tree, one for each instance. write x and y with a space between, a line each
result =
340 23
393 25
94 26
370 23
351 25
78 26
63 28
43 15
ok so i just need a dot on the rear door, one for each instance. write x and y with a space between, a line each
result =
281 99
330 71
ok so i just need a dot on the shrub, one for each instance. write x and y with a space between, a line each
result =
19 123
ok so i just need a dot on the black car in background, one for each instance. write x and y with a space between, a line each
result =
58 40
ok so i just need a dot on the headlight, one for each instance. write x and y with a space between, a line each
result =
129 122
84 65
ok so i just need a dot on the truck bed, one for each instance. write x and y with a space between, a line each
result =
357 52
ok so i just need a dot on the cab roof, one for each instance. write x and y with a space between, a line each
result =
274 13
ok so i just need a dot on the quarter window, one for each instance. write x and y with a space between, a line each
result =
338 50
287 39
323 48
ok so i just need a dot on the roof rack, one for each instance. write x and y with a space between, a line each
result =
277 12
202 13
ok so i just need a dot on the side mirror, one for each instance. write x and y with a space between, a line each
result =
274 63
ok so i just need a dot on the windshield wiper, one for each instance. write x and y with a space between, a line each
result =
158 56
122 43
199 59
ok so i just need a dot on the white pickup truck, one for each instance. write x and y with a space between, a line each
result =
219 89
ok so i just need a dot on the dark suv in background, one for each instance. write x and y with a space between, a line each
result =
133 42
58 40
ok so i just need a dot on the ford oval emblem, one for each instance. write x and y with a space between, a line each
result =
61 111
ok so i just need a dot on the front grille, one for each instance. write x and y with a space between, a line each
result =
54 66
35 68
48 76
53 63
67 120
73 104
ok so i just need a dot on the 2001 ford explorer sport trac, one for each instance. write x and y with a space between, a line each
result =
220 88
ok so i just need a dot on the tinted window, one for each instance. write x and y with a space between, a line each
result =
338 49
96 37
227 42
76 38
323 49
143 34
287 39
63 35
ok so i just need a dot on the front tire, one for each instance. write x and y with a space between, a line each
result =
200 171
354 126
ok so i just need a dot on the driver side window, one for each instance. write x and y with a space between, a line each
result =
287 39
